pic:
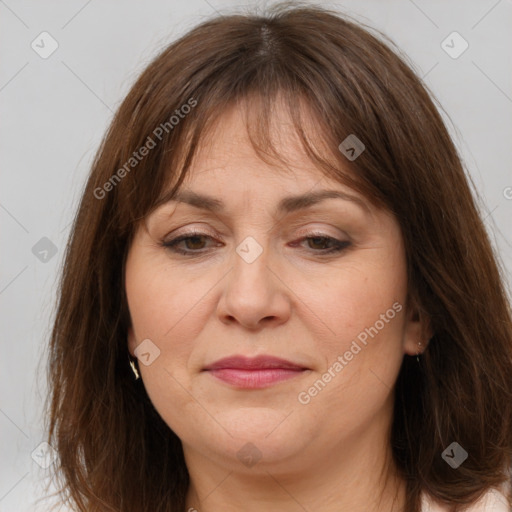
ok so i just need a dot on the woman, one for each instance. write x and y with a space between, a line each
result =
278 294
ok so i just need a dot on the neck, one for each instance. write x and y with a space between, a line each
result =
356 475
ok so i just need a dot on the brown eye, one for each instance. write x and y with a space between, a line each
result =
325 244
193 243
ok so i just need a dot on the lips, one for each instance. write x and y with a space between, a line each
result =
254 363
254 373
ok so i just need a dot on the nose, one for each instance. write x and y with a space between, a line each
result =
254 295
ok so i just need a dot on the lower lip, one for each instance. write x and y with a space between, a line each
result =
254 379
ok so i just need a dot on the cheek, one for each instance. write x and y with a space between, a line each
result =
360 295
363 306
165 308
361 367
169 306
165 303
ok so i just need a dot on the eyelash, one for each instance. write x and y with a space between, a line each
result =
171 245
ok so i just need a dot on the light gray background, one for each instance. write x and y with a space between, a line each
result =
54 112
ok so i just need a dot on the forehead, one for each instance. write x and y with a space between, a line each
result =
232 151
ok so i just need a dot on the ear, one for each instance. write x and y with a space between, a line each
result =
417 330
132 342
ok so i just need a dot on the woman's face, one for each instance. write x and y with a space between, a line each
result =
320 283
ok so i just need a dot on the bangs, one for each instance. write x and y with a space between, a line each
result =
262 114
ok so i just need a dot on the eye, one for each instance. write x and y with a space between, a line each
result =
327 243
194 243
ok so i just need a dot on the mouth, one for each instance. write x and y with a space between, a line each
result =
254 373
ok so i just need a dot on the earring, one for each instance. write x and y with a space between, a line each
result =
134 368
419 351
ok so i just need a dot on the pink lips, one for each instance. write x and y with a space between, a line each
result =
255 372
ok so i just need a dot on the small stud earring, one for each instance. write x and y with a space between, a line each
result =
134 369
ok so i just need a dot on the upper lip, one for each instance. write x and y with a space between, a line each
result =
254 363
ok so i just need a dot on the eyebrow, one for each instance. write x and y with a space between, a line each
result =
287 204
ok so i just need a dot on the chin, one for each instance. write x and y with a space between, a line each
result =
259 434
262 433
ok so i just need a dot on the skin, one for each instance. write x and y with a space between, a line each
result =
294 302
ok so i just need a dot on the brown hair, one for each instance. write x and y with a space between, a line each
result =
116 453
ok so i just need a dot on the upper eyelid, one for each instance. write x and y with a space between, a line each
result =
174 241
296 224
313 234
